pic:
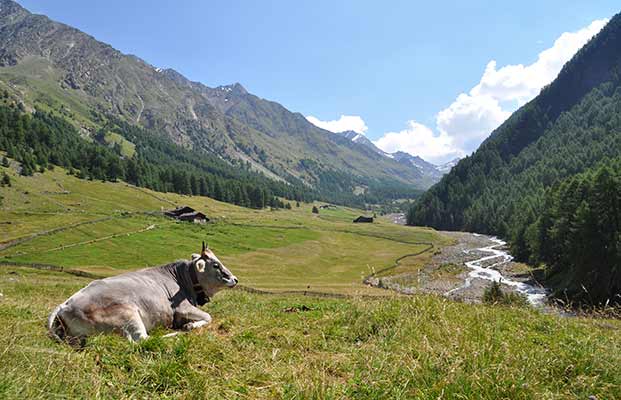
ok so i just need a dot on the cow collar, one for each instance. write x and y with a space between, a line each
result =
201 296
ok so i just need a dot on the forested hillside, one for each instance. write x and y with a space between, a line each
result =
42 140
574 124
577 234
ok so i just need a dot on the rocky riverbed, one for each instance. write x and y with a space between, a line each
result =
463 270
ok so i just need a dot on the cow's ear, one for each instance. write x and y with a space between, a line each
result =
200 265
195 256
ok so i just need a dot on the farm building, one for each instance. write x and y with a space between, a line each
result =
178 211
185 213
363 219
196 217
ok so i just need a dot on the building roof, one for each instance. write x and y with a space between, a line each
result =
179 211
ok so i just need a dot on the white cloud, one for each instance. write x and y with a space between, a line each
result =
464 124
470 119
521 83
344 123
419 140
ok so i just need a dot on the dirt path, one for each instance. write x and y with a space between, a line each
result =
24 239
91 241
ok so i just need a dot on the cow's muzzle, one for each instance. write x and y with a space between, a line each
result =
231 282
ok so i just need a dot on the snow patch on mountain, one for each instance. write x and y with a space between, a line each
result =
446 167
427 169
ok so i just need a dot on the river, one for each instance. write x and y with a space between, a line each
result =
485 268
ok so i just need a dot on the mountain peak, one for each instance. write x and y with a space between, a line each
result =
10 4
237 87
12 11
352 135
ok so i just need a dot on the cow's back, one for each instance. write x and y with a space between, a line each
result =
109 304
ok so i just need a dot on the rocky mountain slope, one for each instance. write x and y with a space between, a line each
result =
54 67
430 172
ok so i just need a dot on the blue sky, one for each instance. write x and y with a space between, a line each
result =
395 65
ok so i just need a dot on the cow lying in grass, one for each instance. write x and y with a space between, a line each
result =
134 303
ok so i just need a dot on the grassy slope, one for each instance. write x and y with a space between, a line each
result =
400 347
419 347
266 249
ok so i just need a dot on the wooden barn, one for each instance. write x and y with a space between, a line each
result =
196 216
185 213
363 219
178 211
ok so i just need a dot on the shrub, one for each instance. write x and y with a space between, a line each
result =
494 294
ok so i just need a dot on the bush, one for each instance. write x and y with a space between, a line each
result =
315 210
494 294
6 180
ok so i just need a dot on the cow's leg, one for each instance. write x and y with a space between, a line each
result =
134 329
188 317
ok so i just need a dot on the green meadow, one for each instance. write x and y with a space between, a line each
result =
369 344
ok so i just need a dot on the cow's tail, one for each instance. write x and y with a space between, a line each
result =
56 327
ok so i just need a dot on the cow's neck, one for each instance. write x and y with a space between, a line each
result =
199 292
183 278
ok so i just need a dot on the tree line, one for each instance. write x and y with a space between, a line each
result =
41 140
576 233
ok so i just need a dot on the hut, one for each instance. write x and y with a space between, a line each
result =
196 216
178 211
185 213
363 219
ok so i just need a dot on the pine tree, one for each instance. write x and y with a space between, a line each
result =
6 180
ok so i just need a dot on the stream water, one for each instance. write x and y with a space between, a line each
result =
483 268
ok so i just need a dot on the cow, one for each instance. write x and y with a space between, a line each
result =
133 303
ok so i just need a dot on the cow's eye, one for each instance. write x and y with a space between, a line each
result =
216 265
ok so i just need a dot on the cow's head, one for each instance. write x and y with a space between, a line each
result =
212 274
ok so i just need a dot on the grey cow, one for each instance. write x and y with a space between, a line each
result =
134 303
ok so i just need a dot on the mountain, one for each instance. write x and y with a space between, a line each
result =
512 184
52 67
360 139
427 169
447 166
430 172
